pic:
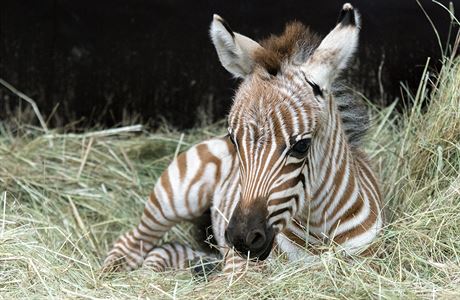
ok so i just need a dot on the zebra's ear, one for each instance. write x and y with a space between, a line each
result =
336 49
235 51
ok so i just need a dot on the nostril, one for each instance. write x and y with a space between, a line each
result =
255 239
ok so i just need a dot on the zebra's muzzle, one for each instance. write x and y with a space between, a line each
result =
260 253
250 235
263 254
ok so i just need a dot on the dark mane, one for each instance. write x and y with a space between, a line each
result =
295 44
353 112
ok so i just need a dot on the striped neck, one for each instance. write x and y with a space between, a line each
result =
332 175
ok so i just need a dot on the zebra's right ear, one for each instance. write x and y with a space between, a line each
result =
235 51
336 49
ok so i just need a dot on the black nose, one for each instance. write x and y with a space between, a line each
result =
249 234
256 238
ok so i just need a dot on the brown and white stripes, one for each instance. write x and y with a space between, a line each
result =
288 175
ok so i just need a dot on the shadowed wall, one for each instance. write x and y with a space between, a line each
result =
106 61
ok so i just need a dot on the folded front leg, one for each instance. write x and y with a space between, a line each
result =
182 193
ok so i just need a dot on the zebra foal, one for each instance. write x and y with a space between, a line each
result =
288 175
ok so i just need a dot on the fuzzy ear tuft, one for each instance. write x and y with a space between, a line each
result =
235 51
336 49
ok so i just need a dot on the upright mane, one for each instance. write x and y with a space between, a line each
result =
294 45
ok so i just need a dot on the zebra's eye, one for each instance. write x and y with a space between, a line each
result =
300 148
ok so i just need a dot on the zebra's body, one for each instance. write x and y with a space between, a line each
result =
289 174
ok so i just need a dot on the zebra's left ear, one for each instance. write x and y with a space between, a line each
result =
336 49
235 51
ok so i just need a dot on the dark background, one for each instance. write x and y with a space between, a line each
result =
106 62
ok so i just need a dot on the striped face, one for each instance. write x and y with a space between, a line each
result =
271 125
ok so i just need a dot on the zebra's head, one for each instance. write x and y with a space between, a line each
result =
274 119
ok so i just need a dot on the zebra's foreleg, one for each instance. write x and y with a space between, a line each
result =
182 193
130 249
175 256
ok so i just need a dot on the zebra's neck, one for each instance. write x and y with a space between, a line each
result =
332 176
